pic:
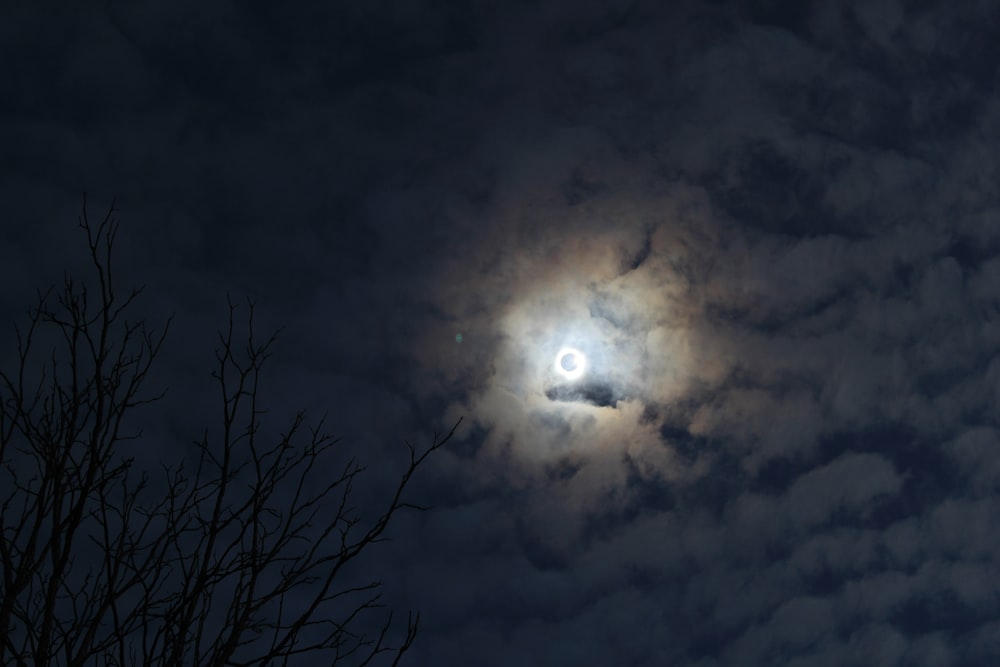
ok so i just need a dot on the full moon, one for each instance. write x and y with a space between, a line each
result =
570 363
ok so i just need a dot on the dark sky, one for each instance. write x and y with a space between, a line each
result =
773 228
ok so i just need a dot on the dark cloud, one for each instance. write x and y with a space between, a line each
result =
589 392
769 226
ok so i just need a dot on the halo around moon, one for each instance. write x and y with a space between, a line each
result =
570 363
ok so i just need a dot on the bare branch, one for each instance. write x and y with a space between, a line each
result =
242 559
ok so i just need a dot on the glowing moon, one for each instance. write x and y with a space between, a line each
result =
570 363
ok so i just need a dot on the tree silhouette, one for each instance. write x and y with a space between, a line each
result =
239 558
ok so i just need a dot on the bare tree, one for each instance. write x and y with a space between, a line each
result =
237 558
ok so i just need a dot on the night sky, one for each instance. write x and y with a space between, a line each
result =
772 229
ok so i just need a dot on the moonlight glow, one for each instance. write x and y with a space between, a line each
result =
570 363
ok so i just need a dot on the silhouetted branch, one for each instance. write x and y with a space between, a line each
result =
240 562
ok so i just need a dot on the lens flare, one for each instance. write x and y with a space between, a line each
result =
570 363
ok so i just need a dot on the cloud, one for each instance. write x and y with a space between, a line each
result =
771 230
800 282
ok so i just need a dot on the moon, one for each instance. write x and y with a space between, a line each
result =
570 363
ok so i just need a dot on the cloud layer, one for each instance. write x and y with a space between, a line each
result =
772 229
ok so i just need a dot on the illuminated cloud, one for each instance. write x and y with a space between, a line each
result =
769 227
